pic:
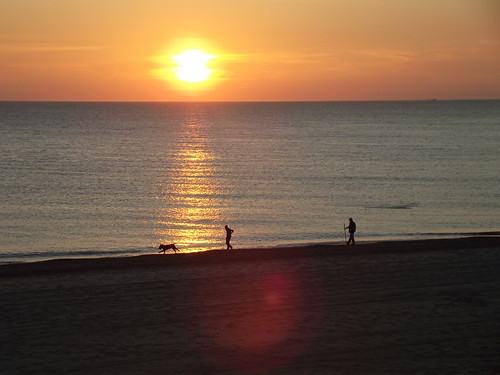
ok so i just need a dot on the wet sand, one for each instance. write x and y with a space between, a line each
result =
386 308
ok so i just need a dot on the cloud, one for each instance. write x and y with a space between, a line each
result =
43 47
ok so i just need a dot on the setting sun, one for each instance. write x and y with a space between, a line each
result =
192 66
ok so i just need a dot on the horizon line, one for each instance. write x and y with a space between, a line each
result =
249 101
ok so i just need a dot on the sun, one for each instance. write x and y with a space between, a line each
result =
192 66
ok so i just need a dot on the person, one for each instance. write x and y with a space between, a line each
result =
352 230
229 231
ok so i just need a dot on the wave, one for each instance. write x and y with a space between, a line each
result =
17 257
405 206
20 257
445 234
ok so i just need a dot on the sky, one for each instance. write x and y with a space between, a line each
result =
260 50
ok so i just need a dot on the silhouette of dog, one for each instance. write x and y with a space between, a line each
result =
166 247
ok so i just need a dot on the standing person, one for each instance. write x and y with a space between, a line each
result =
229 232
352 230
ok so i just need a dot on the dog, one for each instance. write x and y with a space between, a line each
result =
166 247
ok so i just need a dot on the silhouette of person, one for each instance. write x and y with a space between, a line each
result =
352 230
229 232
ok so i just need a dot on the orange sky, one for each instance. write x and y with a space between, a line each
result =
267 49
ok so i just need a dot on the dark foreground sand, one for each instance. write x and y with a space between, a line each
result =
388 308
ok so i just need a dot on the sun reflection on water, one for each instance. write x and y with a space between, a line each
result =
190 214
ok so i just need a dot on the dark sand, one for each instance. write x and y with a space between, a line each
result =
386 308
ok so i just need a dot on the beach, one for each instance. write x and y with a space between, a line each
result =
428 306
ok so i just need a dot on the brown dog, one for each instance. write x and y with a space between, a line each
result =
166 247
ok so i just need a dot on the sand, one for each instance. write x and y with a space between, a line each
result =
385 308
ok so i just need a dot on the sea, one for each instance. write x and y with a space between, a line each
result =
102 179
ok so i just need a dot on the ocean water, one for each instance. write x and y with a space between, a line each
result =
114 179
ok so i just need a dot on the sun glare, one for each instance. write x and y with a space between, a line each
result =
192 66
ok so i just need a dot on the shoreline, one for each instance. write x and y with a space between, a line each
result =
62 265
11 257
